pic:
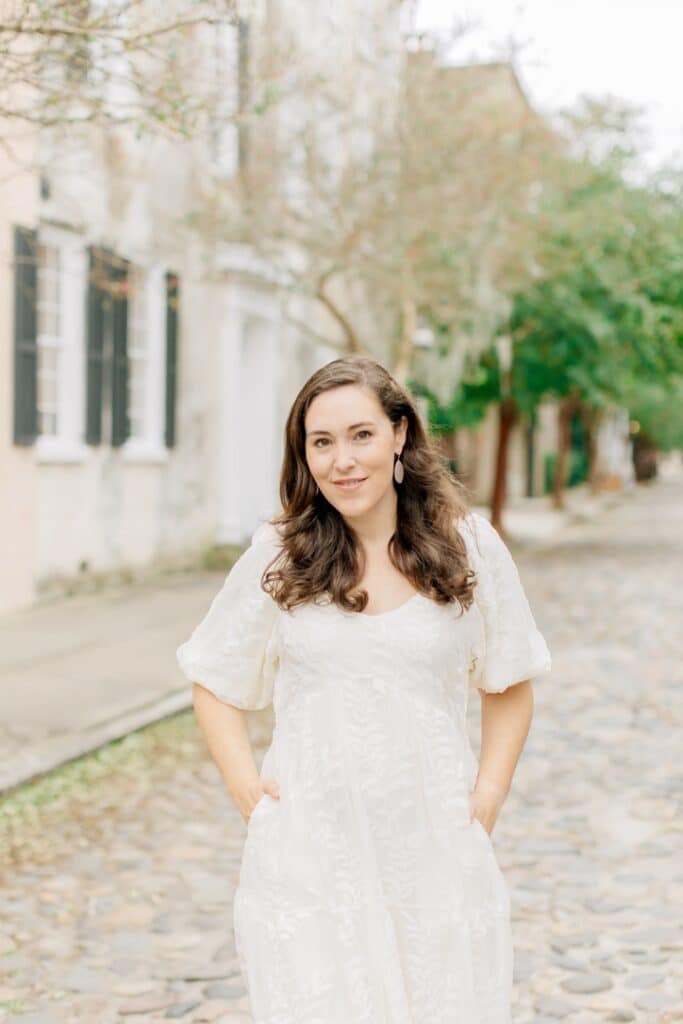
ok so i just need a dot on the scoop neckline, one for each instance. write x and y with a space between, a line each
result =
384 615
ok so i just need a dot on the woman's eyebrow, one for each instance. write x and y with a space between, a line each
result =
364 423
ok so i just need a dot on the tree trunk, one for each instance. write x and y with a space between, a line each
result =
591 419
565 412
351 341
507 417
404 353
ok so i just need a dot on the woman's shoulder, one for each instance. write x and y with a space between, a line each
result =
255 558
265 546
481 538
266 532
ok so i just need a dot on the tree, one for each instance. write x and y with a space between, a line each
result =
607 308
388 206
70 63
657 412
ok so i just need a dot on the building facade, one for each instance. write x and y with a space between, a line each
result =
146 364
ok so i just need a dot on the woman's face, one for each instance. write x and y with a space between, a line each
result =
350 438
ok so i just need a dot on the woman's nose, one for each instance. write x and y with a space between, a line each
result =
344 459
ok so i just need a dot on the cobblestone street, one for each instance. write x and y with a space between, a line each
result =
117 871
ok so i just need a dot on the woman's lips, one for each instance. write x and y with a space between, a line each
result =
349 485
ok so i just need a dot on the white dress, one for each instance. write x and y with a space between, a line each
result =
365 894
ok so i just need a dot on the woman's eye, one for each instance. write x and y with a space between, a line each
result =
323 440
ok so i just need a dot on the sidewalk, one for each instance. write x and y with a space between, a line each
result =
80 672
534 522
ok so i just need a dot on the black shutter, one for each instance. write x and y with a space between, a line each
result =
95 348
172 303
120 428
25 336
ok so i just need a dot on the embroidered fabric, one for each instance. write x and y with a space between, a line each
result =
365 894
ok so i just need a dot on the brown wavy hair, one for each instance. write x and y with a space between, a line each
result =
320 555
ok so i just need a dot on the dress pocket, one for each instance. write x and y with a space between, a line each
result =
258 808
478 827
493 860
477 824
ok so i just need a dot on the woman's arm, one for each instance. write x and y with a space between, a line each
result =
505 721
225 733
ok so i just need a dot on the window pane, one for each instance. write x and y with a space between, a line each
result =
47 423
137 349
48 321
51 287
47 360
47 396
49 339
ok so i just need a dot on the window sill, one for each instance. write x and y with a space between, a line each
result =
137 452
56 450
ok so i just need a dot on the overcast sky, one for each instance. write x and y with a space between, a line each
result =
626 48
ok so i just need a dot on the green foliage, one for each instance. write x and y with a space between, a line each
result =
577 470
658 409
608 305
480 385
599 314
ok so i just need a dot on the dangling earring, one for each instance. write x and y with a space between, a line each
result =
398 471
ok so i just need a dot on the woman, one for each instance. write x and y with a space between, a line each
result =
369 890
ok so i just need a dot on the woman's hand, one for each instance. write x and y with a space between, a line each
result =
246 802
486 800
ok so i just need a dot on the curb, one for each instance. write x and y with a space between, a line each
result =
45 757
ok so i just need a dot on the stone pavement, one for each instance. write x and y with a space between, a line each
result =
79 672
117 871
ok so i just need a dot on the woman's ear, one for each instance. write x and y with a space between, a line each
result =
402 430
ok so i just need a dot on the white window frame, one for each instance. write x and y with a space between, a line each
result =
149 446
138 347
67 445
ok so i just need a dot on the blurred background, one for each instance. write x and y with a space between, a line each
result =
201 203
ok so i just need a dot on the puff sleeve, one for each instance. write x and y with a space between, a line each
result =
232 651
510 647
